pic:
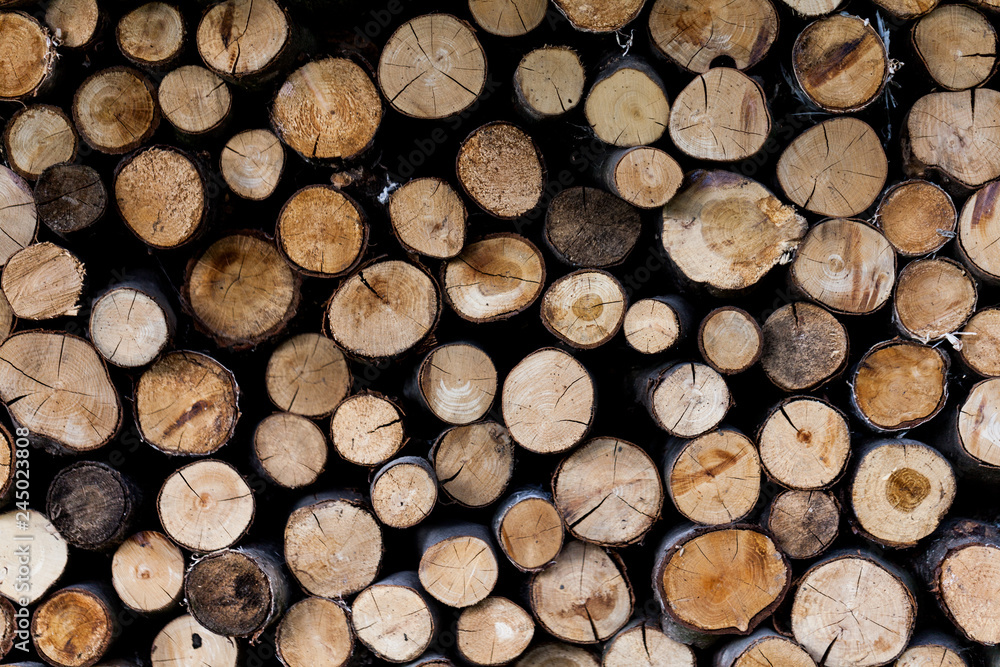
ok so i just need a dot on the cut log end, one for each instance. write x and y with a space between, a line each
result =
252 163
600 16
290 449
805 443
307 375
151 35
917 217
185 641
74 22
236 592
314 627
715 478
549 82
130 326
43 281
627 105
205 506
496 17
474 463
587 227
29 53
494 632
194 100
981 342
804 347
367 429
244 40
644 176
529 530
933 298
428 217
37 137
900 384
584 309
49 553
653 325
457 382
147 572
730 340
115 110
73 627
394 619
500 168
92 504
804 523
458 567
322 231
70 197
494 278
404 492
957 44
687 399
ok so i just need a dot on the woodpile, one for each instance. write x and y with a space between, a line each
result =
582 333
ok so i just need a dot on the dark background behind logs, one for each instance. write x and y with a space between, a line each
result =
406 148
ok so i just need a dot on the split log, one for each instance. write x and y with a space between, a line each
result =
900 491
237 592
495 17
642 644
845 265
657 324
64 393
934 648
147 572
725 231
805 443
29 52
404 492
384 309
395 618
92 505
763 648
693 34
494 278
152 35
246 42
719 580
367 429
584 309
456 382
587 227
458 566
494 632
981 342
804 347
853 608
933 298
684 399
74 627
969 436
565 655
474 463
251 163
70 197
237 308
721 115
730 340
333 545
713 479
954 566
327 109
75 23
548 81
584 597
315 629
187 404
804 523
321 231
917 217
501 169
529 529
131 323
194 100
840 63
307 375
836 168
899 384
43 281
289 450
600 16
161 193
205 506
428 217
608 492
978 227
18 214
957 45
548 401
184 641
49 555
115 110
423 87
627 104
644 176
942 136
37 137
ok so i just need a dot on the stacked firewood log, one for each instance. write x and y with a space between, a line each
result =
484 332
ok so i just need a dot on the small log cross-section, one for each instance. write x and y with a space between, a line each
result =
585 308
644 176
501 169
194 100
726 231
115 110
327 109
958 46
529 529
147 572
395 618
584 597
981 342
205 506
49 553
29 54
424 86
608 492
321 231
70 197
835 168
92 505
474 463
37 137
627 105
805 443
600 16
457 382
916 217
494 278
458 567
978 229
74 627
721 580
764 648
496 17
152 35
18 214
494 632
245 41
428 217
43 281
804 523
290 450
131 324
684 399
240 290
252 163
404 491
971 432
933 298
693 34
75 22
900 384
367 429
730 340
384 309
185 641
804 347
642 643
853 609
186 404
657 324
587 227
315 627
548 81
307 375
548 401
